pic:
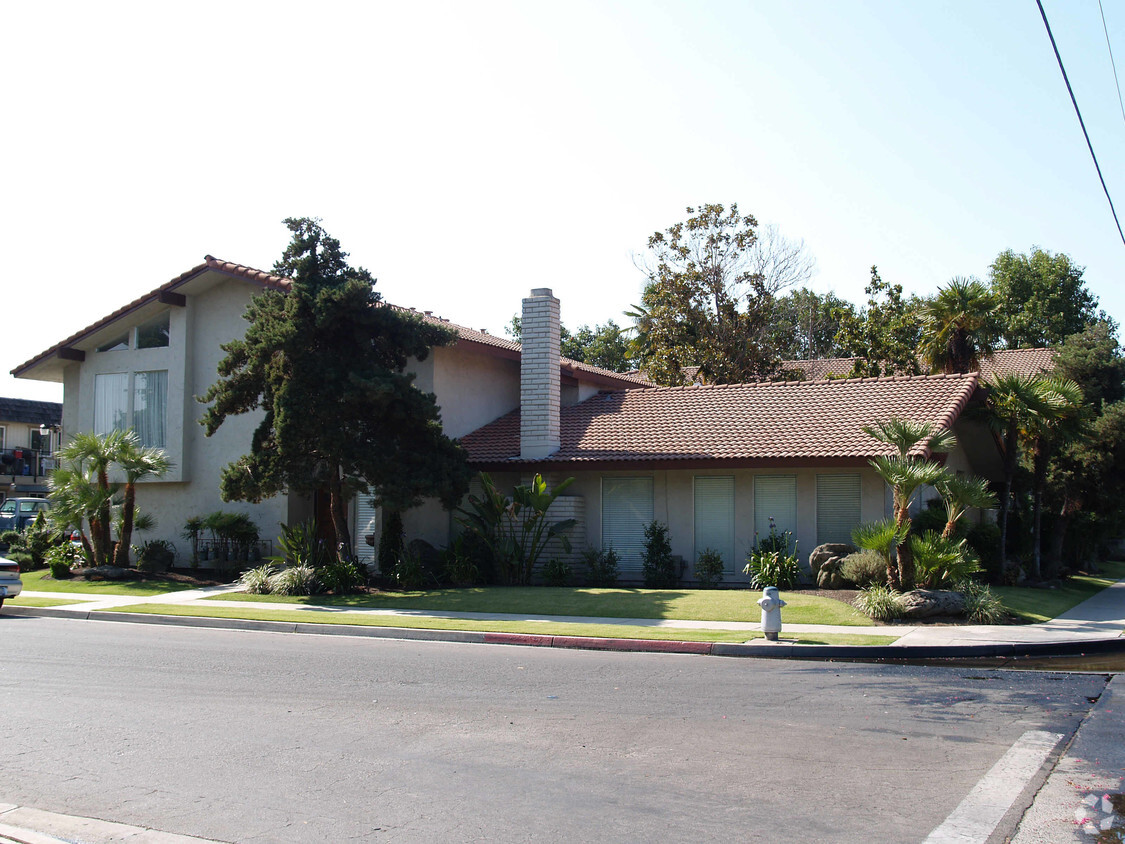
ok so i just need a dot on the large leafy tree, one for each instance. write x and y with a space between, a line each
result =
606 345
884 335
804 324
327 364
1041 297
959 326
708 299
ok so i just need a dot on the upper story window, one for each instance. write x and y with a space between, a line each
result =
143 407
117 344
154 333
148 335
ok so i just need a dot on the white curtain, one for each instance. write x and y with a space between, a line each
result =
150 407
111 402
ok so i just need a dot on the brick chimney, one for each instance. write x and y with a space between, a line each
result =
539 376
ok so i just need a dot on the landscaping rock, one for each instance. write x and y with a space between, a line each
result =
823 553
829 576
924 603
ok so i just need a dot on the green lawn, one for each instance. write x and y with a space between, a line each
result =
27 601
1034 605
686 604
41 581
610 631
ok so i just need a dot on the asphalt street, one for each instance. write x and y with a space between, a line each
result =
249 736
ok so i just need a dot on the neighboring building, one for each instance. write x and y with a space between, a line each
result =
717 463
999 363
29 438
143 366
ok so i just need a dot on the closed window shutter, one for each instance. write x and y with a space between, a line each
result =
837 507
626 511
774 496
366 522
714 518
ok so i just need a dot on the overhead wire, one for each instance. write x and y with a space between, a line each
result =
1112 63
1081 122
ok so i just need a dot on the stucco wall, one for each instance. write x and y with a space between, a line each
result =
473 388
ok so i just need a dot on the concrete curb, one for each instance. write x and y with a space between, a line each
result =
759 649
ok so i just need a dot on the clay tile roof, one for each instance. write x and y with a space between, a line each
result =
1017 362
276 282
759 421
818 370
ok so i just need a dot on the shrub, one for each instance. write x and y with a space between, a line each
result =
10 537
981 605
342 577
300 545
772 568
257 581
155 555
24 559
709 568
864 568
984 541
880 603
390 542
295 580
775 540
601 566
656 560
940 561
60 559
461 567
557 572
409 575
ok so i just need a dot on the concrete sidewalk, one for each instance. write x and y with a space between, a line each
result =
1097 620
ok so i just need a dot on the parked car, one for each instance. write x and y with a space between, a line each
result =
10 583
16 513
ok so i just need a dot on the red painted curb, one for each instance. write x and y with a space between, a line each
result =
518 639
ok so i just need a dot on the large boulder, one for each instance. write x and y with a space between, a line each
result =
926 603
829 576
821 554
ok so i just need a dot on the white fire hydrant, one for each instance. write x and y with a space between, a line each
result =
771 605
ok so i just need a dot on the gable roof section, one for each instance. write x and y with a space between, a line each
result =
1001 362
761 423
30 412
167 293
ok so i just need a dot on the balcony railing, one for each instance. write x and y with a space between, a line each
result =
26 462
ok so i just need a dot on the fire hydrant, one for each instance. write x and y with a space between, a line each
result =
771 605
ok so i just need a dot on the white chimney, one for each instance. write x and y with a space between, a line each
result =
539 376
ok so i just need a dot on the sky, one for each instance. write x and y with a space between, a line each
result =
465 153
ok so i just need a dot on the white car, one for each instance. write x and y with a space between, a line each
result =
10 583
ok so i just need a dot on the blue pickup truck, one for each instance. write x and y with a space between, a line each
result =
16 513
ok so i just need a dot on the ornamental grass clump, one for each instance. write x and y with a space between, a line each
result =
256 581
295 580
981 605
880 603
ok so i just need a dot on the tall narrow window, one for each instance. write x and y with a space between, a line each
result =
626 510
150 407
111 402
714 518
775 497
837 507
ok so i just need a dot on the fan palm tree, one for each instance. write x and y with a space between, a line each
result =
86 459
137 462
959 326
1012 404
906 472
960 494
1060 419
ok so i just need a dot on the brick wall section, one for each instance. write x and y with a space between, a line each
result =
540 434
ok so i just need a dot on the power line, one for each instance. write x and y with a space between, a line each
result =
1081 122
1112 63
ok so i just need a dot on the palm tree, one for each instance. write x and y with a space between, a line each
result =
959 326
83 487
1059 420
960 494
1012 404
137 462
906 472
